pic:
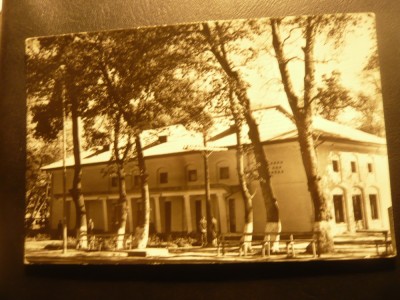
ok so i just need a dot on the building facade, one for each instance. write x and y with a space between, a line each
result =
353 166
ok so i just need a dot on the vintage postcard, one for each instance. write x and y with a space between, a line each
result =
254 140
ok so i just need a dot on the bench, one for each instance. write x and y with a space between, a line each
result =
289 239
378 238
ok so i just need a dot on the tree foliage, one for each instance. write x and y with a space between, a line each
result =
302 101
332 97
121 83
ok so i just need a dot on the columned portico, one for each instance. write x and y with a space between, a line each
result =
187 223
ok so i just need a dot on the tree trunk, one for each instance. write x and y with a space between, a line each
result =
122 202
209 214
322 215
302 112
273 224
76 190
247 197
122 205
143 231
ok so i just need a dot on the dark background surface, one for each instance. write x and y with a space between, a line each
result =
316 280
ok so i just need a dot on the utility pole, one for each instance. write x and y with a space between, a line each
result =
64 142
209 215
206 151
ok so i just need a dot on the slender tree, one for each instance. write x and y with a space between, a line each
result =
217 40
303 103
57 80
240 166
151 93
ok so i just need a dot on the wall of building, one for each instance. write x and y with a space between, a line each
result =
288 181
370 177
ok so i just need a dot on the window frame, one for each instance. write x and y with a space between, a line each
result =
114 181
192 175
353 166
223 172
374 208
136 180
335 165
338 198
163 177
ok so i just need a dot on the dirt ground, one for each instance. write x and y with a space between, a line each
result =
50 252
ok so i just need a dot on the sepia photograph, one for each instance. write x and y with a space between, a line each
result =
229 141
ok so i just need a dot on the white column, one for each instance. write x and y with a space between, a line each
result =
157 213
348 200
188 214
366 208
222 213
130 216
105 214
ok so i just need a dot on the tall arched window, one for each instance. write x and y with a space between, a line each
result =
338 205
357 204
374 203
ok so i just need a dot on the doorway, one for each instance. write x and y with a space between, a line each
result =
358 211
168 216
232 215
198 213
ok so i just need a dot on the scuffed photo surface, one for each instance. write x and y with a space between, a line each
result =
227 141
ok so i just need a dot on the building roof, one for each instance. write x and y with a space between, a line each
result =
275 124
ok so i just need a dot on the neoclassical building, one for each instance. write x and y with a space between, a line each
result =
353 165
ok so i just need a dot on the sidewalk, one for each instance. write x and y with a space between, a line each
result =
35 253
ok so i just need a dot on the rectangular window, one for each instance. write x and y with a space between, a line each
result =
353 167
232 215
224 173
139 213
374 206
163 177
192 175
114 181
357 208
370 168
162 138
199 214
168 216
136 180
338 206
335 165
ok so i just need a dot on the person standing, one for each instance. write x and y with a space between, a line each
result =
214 233
203 231
90 226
